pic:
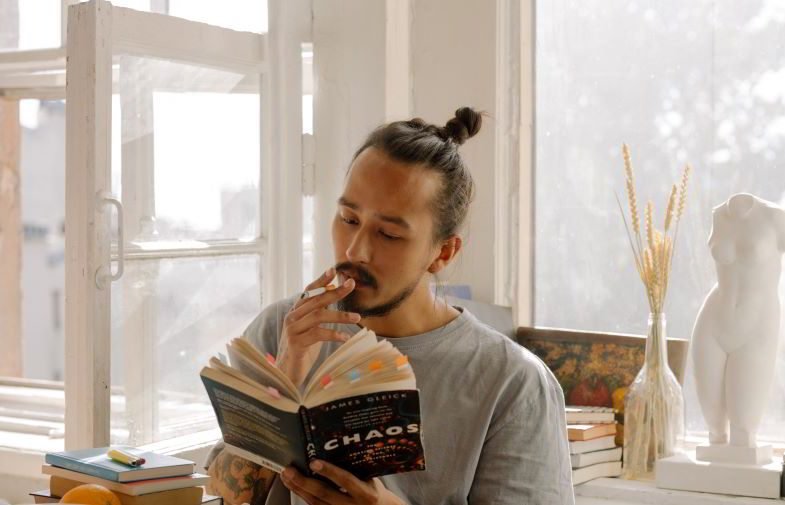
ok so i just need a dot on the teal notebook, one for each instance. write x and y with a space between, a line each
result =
95 462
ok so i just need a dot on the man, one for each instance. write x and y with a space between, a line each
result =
492 413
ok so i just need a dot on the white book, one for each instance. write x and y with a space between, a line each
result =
581 475
589 415
596 444
130 488
592 458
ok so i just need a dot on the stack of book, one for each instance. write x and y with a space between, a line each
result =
593 450
160 480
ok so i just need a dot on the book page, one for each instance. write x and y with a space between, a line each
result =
247 387
362 341
358 359
258 373
242 346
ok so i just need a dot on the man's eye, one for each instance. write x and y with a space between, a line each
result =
388 237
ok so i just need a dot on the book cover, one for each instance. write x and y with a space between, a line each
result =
589 415
581 475
49 496
370 435
597 444
360 411
95 462
135 488
589 431
592 458
251 426
59 486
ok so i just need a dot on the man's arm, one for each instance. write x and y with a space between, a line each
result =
238 480
526 459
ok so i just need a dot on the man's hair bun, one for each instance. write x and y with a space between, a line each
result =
464 125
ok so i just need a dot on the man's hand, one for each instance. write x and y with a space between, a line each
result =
302 327
353 490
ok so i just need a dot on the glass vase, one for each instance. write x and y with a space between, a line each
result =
653 408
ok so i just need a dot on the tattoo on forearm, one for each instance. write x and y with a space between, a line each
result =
262 486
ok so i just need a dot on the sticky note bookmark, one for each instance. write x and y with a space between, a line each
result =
273 392
401 362
326 382
375 365
270 358
354 376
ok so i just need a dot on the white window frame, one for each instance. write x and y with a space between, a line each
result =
97 30
515 158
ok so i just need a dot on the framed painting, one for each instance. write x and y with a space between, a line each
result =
595 369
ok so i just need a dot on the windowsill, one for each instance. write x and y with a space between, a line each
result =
24 457
630 492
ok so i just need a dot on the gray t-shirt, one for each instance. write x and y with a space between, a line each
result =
493 418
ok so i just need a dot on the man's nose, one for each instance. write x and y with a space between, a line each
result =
359 250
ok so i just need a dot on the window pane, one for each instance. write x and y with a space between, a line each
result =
676 82
190 148
168 318
39 24
42 168
243 15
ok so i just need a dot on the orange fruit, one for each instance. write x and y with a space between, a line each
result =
618 399
90 494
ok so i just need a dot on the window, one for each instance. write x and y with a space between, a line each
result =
190 165
676 82
186 165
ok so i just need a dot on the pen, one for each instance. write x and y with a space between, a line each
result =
316 292
125 457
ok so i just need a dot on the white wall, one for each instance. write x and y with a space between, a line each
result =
451 64
349 99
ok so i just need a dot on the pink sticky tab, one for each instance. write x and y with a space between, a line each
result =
270 358
273 392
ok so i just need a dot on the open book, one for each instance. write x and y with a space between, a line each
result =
360 411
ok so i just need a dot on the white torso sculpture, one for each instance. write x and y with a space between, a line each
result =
734 342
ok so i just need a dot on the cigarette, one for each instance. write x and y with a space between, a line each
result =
316 292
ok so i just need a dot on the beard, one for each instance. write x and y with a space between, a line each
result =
351 302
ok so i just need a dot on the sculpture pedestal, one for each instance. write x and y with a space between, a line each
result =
685 472
760 455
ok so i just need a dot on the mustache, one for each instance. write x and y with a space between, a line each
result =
358 272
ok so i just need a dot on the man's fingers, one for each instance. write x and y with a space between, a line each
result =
325 335
323 279
305 306
319 334
321 316
312 490
355 487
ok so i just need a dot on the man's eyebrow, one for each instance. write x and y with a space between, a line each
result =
399 221
346 203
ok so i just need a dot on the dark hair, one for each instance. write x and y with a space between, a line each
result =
434 148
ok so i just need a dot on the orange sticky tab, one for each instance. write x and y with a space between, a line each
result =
401 362
326 381
270 358
375 366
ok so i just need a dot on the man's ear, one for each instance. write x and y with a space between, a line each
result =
447 253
